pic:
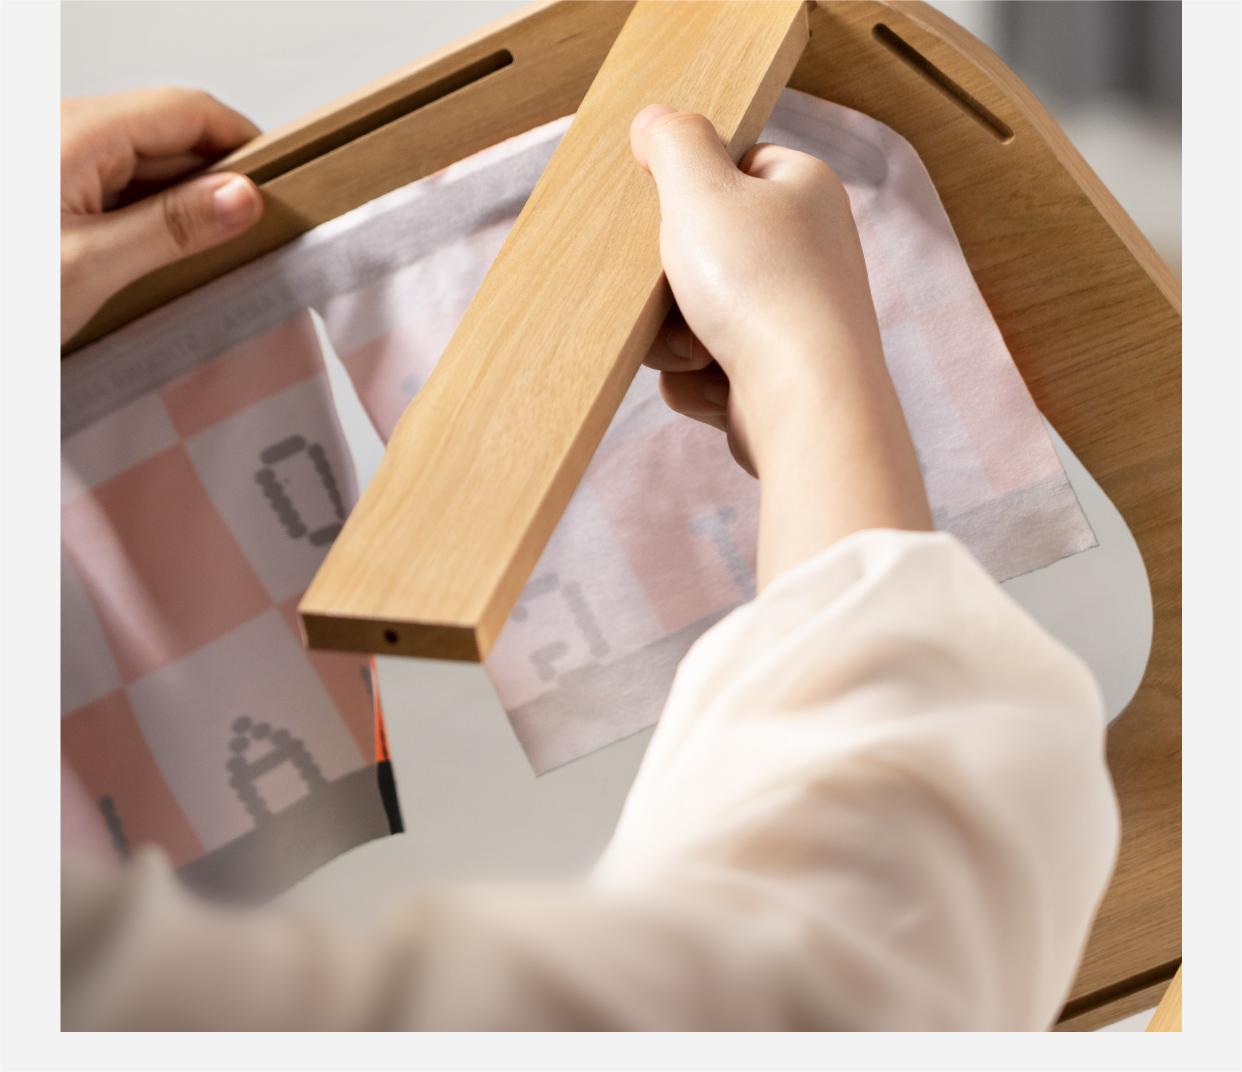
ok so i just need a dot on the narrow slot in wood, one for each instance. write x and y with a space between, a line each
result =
351 131
973 107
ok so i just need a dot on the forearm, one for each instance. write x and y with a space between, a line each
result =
834 456
877 799
886 760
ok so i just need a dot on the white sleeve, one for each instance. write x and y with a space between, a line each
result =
877 799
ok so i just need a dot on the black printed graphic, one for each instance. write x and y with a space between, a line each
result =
246 768
718 527
543 657
273 487
112 820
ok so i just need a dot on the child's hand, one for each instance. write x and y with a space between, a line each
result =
765 265
114 147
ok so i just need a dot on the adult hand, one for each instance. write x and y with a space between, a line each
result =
114 147
775 338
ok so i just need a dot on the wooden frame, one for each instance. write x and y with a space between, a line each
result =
1089 311
486 457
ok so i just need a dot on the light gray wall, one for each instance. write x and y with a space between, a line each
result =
272 59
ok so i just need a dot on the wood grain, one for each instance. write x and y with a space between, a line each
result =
1168 1014
486 457
1090 312
1092 317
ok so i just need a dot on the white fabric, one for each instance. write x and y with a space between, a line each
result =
877 799
658 542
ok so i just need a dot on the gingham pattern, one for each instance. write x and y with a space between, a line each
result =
192 520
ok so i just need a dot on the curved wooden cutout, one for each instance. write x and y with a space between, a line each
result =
1089 311
1092 317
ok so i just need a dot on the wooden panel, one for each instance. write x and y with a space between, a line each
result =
486 457
1093 319
1090 312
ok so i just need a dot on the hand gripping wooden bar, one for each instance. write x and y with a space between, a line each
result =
485 459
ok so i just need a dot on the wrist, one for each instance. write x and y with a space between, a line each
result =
790 398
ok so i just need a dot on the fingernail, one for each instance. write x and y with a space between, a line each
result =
234 202
650 114
716 393
680 342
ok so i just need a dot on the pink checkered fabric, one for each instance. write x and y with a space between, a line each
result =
192 519
205 474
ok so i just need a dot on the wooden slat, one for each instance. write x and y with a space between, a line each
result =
1168 1014
483 462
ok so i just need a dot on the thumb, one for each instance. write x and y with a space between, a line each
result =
176 223
683 153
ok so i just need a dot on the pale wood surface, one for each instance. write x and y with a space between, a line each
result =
1168 1014
1089 311
486 457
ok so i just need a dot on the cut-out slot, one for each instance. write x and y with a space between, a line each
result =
905 52
381 116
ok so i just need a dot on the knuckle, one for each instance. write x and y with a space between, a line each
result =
822 177
168 95
749 160
203 99
181 222
180 92
679 123
764 155
670 393
173 97
74 258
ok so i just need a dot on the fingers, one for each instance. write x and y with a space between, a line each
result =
163 168
775 163
676 349
702 394
129 243
147 135
691 382
172 119
161 122
683 153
